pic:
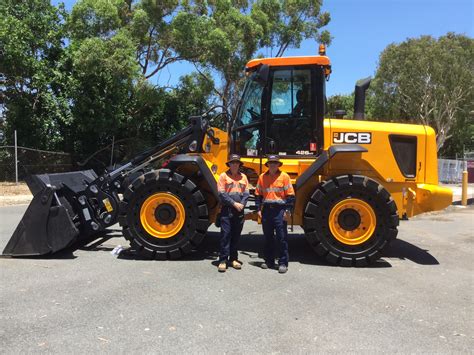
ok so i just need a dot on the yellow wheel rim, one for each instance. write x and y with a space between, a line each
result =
361 225
155 207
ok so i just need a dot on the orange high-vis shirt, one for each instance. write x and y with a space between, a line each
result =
274 189
233 189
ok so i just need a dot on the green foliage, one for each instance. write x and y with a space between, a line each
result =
167 110
289 22
31 36
223 35
340 102
462 136
91 18
101 86
346 103
428 81
74 82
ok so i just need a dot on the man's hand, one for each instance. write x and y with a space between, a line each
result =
259 214
238 206
287 216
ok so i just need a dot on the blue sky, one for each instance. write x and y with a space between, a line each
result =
362 29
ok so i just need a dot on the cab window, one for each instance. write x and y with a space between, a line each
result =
291 112
251 108
249 124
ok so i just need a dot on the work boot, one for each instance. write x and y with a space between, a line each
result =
222 266
236 264
282 269
266 265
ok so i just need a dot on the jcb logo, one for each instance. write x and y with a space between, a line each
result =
352 137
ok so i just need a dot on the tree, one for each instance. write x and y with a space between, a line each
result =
155 113
426 81
74 82
226 34
115 47
101 87
290 22
31 40
149 22
462 136
346 103
159 112
340 102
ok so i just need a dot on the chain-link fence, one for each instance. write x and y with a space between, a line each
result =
36 161
31 161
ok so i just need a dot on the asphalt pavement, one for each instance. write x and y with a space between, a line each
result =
417 299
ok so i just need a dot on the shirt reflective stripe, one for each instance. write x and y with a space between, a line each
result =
274 189
228 185
278 201
277 189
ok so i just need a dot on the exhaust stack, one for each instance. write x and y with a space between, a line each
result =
359 101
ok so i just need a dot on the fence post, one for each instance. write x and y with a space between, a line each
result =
16 160
464 188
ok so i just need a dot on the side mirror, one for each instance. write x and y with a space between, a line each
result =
340 113
262 74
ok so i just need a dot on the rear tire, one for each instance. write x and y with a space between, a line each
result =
163 215
350 219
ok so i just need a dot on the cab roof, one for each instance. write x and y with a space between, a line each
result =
289 61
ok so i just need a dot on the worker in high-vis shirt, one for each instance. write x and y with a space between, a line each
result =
233 188
275 199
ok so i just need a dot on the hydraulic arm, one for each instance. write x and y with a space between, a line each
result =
77 205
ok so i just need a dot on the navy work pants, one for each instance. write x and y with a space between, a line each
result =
232 223
275 226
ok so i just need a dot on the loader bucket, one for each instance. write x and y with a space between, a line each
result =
47 225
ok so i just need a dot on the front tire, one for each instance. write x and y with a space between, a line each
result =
163 215
350 219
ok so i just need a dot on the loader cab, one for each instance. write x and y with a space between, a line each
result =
282 108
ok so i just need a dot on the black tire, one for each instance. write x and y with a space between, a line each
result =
327 196
196 220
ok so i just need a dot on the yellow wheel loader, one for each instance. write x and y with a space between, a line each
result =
354 179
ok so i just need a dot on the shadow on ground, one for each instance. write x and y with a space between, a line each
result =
251 245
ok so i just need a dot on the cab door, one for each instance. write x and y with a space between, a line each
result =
291 124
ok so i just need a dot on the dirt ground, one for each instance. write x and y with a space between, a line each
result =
13 194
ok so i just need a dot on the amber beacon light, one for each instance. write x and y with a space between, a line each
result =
322 49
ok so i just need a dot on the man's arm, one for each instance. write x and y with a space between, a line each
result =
259 194
290 203
290 195
246 193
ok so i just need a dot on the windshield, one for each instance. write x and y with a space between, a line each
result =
251 104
